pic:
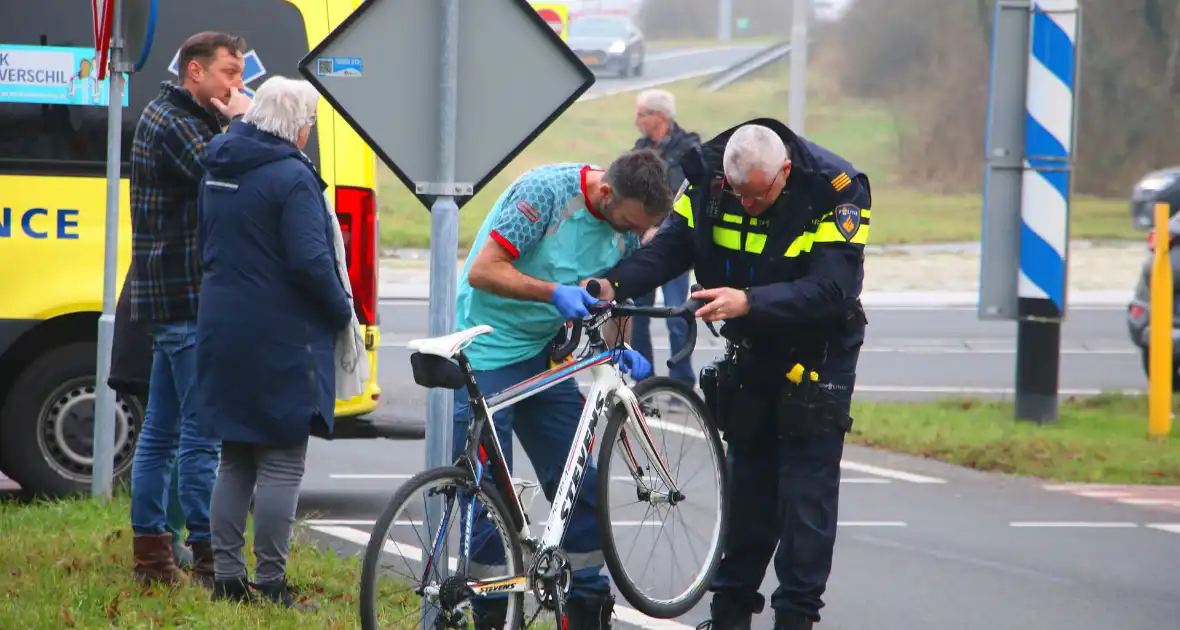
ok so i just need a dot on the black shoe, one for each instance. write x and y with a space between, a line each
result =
792 621
236 590
590 613
283 594
725 617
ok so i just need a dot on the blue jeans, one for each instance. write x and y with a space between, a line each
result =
545 425
171 431
675 293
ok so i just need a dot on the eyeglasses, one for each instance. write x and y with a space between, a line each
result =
765 196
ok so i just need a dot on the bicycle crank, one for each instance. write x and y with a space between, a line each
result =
553 578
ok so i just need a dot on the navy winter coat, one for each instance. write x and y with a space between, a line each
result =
271 302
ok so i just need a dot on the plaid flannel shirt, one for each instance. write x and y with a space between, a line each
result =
166 174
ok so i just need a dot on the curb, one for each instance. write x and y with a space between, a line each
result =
910 299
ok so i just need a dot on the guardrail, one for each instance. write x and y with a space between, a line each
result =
747 66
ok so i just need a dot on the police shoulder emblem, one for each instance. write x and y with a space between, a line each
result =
847 218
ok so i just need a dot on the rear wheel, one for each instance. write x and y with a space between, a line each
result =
628 487
392 544
47 424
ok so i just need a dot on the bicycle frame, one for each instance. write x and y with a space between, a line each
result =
484 455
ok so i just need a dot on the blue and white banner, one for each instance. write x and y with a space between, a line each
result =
1048 150
52 75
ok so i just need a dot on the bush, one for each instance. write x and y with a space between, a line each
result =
928 59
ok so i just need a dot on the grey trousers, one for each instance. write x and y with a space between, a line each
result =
271 476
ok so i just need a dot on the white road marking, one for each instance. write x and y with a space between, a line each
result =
1097 494
889 473
870 524
635 618
1166 527
1149 501
1081 524
370 476
864 480
413 554
314 522
862 468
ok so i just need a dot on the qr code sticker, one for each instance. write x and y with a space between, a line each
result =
324 66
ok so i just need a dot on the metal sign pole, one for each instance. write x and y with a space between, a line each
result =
444 255
798 90
1003 174
104 404
724 20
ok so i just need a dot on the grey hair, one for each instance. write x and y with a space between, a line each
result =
659 101
283 107
750 148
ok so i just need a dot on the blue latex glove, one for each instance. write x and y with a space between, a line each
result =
572 302
635 364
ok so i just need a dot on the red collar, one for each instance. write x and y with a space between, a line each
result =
586 193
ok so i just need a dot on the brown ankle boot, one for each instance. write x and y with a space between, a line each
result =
203 563
154 563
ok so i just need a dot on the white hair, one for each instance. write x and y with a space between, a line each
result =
283 107
753 148
659 101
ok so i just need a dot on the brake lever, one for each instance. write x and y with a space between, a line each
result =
693 289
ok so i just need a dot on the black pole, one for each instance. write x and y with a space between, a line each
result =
1038 363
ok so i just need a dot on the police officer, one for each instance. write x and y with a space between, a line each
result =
776 232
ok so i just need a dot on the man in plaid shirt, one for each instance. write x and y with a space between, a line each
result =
166 174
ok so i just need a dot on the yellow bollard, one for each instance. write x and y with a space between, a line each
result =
1159 419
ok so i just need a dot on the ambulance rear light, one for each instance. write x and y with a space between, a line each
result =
356 208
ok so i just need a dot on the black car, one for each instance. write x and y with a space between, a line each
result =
1139 310
1157 186
608 43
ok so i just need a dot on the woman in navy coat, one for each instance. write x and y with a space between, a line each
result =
271 305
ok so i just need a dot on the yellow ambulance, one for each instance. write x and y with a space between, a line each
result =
53 137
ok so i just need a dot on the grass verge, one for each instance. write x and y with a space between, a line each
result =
864 132
68 565
1100 439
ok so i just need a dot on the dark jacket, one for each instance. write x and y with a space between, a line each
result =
131 351
271 302
672 147
170 137
802 261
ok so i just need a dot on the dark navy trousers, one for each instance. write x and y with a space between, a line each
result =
784 498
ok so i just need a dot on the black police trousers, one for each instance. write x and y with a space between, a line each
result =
784 493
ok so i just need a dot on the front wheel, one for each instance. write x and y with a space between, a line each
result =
634 500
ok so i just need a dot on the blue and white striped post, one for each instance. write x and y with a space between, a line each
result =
1045 200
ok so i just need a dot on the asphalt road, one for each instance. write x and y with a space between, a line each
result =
921 545
663 66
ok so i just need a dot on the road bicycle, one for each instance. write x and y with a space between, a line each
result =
539 565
